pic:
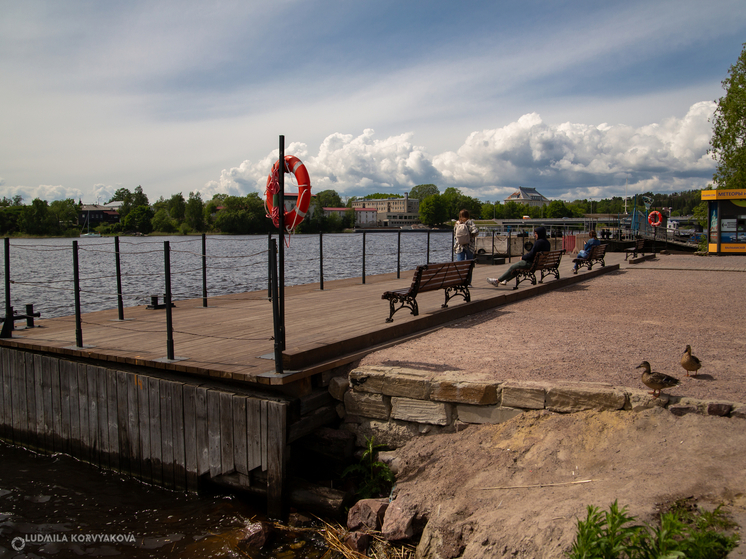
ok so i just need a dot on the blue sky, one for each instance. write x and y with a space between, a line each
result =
572 98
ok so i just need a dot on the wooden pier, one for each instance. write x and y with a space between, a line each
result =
218 410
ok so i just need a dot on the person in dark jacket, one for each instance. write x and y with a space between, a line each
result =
541 244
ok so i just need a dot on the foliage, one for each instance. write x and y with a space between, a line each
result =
139 219
17 200
36 219
194 215
375 478
456 201
329 199
382 196
728 142
433 210
177 207
681 533
422 191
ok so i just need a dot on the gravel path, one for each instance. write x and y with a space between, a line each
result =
601 329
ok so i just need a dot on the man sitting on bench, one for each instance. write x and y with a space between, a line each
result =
541 244
593 241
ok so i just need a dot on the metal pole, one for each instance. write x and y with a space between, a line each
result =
398 254
493 246
321 261
510 242
269 266
8 324
204 270
363 257
76 290
453 240
275 306
118 262
169 318
427 261
281 266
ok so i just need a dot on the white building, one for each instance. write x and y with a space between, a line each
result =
528 196
363 216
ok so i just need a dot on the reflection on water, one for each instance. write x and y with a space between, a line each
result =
41 270
63 508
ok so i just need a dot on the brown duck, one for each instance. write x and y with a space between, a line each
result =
656 381
690 362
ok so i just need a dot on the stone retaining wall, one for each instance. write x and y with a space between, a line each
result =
397 404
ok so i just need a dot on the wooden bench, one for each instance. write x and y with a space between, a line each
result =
639 247
453 277
596 254
547 262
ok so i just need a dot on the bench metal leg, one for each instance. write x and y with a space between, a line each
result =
404 302
456 290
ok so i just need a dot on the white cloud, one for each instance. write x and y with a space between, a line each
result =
44 192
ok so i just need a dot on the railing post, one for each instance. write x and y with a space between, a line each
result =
453 241
493 246
76 290
321 261
363 257
281 252
204 270
427 260
118 263
30 316
169 318
269 266
398 254
275 306
8 324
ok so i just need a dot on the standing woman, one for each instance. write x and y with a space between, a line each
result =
465 237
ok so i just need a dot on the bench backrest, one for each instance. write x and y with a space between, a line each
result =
547 259
598 251
441 276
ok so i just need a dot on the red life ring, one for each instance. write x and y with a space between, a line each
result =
654 218
271 195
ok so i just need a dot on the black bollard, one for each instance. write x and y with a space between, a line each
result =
76 288
169 317
118 264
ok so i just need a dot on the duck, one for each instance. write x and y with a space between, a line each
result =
690 362
656 381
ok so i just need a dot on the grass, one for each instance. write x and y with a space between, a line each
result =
683 531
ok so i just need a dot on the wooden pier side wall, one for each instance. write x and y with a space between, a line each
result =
164 432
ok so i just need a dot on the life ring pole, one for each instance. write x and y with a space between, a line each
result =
280 291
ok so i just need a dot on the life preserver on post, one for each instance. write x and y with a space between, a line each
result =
654 218
295 216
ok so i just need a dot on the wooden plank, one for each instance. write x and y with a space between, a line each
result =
125 464
227 465
65 426
133 425
112 418
253 433
85 435
35 400
72 379
276 450
263 433
6 416
190 436
240 439
20 413
93 403
201 427
102 421
52 364
143 409
213 431
156 454
167 442
177 419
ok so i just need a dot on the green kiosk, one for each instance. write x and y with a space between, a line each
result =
726 222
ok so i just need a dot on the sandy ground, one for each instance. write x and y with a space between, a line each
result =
465 487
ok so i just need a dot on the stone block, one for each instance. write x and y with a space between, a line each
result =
377 406
408 384
682 409
640 400
739 412
485 414
367 514
368 379
337 388
718 408
398 522
527 397
421 411
476 393
357 542
569 400
393 434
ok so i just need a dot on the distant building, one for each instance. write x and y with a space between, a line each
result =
528 196
363 216
392 212
97 215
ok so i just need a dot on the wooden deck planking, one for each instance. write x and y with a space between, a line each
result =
228 338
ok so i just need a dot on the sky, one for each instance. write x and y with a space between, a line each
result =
578 99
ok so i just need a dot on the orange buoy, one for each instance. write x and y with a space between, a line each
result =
654 218
295 216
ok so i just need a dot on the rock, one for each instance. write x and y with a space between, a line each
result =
477 393
398 523
376 406
358 541
568 400
393 434
420 411
332 443
682 409
718 408
318 499
367 514
368 379
407 383
298 520
390 458
485 414
257 534
337 388
739 412
518 395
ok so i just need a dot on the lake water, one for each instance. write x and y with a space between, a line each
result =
42 269
64 499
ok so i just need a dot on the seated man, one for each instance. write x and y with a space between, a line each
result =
541 244
592 241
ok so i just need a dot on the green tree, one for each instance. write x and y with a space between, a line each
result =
177 207
65 212
162 222
329 199
728 142
557 208
139 219
194 214
422 191
433 210
36 219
